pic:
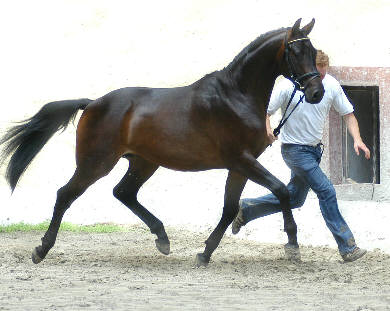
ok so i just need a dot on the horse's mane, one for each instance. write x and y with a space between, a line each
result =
216 84
241 58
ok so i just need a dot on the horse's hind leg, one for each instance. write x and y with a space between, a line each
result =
234 185
84 176
140 170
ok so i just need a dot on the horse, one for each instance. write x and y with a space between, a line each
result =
218 122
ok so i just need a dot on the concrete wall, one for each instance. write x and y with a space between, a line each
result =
53 50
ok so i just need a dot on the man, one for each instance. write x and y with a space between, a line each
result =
302 150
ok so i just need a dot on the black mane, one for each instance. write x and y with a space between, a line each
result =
241 58
215 87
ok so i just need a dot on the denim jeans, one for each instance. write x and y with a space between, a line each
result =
306 173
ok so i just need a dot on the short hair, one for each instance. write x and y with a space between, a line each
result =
322 59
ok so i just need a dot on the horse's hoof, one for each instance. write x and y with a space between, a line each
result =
35 257
163 246
201 260
292 252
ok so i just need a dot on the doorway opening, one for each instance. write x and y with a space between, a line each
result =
357 169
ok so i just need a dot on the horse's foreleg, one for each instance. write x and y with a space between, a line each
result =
126 191
234 185
248 166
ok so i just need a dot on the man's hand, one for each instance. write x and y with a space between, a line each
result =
271 137
353 128
360 145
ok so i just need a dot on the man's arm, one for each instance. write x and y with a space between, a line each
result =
270 132
353 129
280 94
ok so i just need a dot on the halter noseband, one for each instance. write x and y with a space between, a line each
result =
293 77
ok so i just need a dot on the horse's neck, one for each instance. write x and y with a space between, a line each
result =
257 73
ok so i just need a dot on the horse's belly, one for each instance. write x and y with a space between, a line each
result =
179 156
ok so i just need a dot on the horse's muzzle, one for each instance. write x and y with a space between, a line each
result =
314 93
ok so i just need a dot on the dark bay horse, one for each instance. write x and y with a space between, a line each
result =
217 122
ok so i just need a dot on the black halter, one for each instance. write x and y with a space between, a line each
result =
293 77
296 80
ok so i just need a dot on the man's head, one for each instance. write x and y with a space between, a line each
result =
322 63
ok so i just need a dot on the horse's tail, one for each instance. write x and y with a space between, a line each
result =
24 140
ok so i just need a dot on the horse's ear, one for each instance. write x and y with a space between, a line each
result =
307 29
296 26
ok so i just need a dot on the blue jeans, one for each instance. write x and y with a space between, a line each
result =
306 173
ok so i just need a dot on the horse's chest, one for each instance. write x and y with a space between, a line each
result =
256 136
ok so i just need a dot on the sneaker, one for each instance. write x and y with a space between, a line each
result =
354 255
238 222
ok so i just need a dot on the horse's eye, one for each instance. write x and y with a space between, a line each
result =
296 48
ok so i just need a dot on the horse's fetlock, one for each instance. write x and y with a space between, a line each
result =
291 228
47 242
158 229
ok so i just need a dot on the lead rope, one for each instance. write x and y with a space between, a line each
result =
276 131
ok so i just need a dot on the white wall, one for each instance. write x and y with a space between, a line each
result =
53 50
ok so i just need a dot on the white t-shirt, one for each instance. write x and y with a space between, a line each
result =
306 124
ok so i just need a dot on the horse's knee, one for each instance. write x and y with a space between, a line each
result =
298 202
282 193
230 211
290 226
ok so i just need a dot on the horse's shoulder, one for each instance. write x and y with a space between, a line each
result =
217 98
213 90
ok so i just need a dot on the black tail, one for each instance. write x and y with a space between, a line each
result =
26 139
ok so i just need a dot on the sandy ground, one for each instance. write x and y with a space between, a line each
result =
124 271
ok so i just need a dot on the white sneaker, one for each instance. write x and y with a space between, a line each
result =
238 222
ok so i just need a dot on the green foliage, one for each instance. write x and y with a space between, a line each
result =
65 226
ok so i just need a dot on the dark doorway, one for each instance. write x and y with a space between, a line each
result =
366 104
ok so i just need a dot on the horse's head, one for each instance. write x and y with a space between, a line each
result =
300 62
